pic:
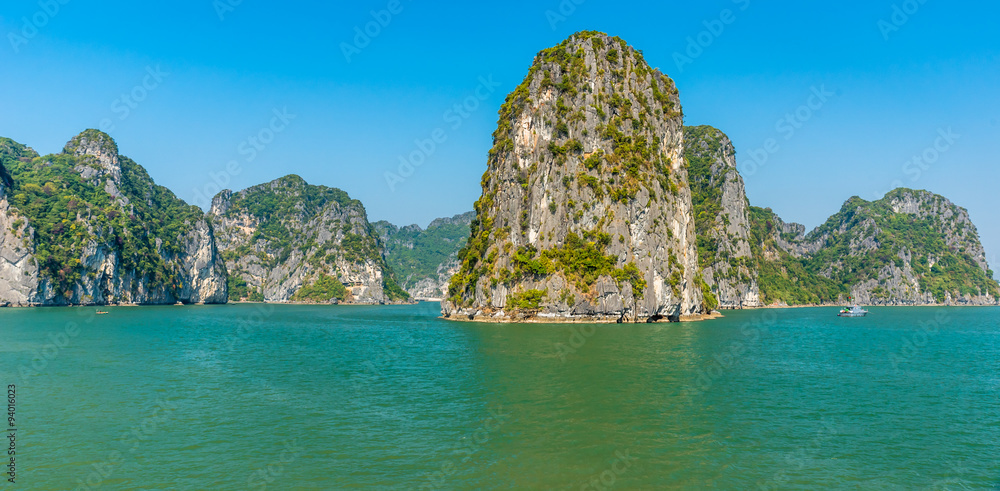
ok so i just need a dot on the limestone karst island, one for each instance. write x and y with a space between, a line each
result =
564 245
598 204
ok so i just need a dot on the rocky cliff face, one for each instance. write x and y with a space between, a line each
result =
908 248
586 211
88 226
722 219
18 270
435 288
425 260
290 241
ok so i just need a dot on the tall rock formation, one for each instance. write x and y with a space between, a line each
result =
425 260
18 270
287 240
722 219
89 226
586 211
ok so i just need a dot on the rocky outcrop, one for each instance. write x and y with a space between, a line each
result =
908 248
425 260
722 219
290 241
202 272
929 249
18 270
89 227
586 211
951 221
435 288
98 154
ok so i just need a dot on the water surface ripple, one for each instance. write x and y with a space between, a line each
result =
345 397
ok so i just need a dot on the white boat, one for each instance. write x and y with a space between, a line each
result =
854 311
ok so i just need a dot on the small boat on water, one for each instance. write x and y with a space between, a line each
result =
854 311
101 312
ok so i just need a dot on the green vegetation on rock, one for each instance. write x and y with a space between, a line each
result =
606 151
415 254
291 198
785 279
528 300
239 290
309 230
711 301
706 193
865 237
67 212
323 290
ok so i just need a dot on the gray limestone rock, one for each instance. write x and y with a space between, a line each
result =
722 218
586 183
198 275
284 235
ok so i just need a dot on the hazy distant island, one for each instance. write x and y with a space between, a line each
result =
598 204
425 260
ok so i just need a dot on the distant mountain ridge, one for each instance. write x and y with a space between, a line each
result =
89 227
425 260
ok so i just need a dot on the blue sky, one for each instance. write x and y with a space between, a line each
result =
892 82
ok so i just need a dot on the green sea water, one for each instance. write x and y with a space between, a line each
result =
347 397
